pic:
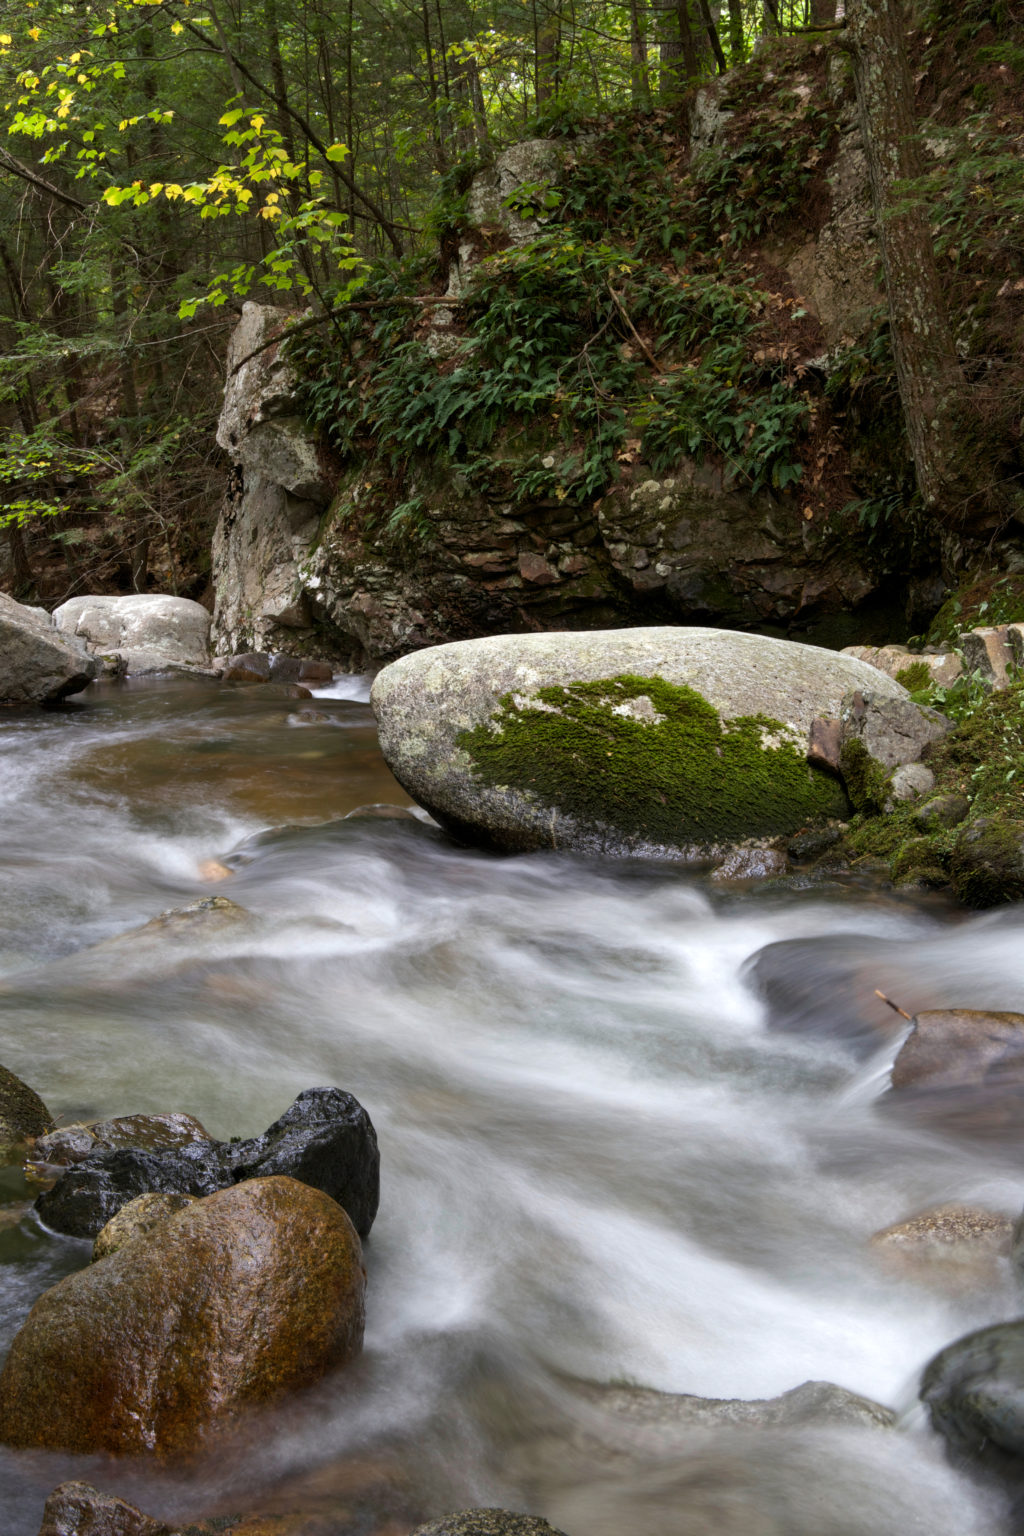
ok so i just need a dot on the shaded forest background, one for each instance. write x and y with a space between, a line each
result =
162 162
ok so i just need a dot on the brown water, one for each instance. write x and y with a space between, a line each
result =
599 1164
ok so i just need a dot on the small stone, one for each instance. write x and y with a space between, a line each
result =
910 781
824 743
988 651
317 673
136 1218
487 1522
79 1509
941 812
212 870
751 864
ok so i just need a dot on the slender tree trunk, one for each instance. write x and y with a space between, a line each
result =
927 369
639 78
822 12
737 51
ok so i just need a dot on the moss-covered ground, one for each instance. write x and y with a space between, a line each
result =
981 760
668 771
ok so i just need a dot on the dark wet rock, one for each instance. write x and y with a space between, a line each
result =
242 1297
79 1509
137 1218
316 674
963 1070
974 1392
325 1139
892 730
309 717
152 1133
827 987
487 1522
248 667
38 665
987 867
22 1112
940 812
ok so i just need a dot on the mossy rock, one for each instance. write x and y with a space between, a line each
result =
988 862
686 741
23 1114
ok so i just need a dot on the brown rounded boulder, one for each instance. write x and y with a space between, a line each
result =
247 1294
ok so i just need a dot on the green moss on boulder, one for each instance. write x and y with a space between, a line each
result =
653 759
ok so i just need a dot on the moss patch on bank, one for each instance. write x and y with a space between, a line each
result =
653 760
982 761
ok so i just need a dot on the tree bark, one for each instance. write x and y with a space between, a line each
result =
927 369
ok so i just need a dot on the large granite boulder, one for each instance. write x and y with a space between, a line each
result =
685 741
38 665
242 1297
325 1139
145 632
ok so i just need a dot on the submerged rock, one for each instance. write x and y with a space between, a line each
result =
655 1414
22 1113
325 1139
79 1509
963 1069
487 1522
961 1246
244 1296
38 665
974 1392
647 740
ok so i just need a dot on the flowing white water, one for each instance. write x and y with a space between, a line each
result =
599 1163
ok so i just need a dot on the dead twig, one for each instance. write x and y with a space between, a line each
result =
894 1006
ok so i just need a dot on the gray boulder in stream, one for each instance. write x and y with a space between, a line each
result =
38 665
666 740
148 631
974 1392
325 1139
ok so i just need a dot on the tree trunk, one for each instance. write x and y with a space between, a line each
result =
823 12
927 369
640 84
737 51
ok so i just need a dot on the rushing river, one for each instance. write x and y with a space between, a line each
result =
599 1162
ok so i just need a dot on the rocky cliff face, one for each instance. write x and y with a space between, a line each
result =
302 565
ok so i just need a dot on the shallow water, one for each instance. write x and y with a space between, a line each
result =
599 1163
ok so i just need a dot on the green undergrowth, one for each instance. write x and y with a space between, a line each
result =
981 760
631 330
669 772
987 600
